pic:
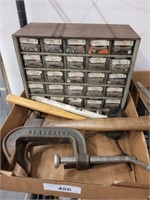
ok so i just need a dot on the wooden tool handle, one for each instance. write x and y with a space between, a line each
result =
106 124
42 107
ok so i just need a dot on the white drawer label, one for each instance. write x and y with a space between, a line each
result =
120 62
75 59
52 41
62 188
117 75
97 60
33 73
94 102
111 89
31 57
53 58
117 101
76 42
95 89
57 87
123 42
75 74
75 87
99 75
99 42
54 73
36 85
28 40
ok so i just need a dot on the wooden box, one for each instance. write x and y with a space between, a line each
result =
99 182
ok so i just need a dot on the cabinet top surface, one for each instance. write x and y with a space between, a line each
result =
60 30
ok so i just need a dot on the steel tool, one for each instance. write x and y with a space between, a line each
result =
17 143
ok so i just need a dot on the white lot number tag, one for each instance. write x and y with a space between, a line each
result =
62 188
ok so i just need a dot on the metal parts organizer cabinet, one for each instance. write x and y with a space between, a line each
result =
86 65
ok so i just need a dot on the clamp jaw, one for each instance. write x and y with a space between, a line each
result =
18 143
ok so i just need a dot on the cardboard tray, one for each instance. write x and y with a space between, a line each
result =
99 182
142 103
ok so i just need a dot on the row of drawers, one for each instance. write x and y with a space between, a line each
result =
75 77
76 62
77 46
88 103
76 90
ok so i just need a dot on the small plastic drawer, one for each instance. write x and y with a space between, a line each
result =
32 61
122 47
55 76
75 77
117 78
51 45
95 63
36 88
114 91
112 103
55 89
74 62
122 65
29 44
100 47
94 91
53 62
94 103
75 46
60 99
35 75
75 90
75 102
93 77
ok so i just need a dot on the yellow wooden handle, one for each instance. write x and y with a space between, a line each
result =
41 107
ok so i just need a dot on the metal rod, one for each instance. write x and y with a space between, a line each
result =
21 12
101 160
